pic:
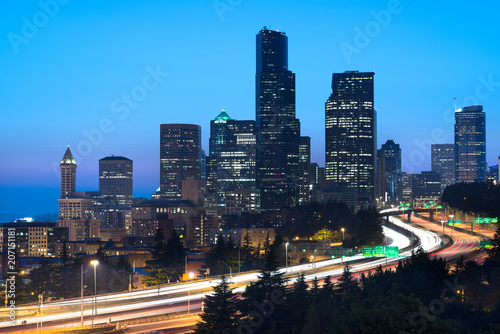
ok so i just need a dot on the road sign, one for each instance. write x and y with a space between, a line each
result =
485 243
454 222
392 251
368 251
379 251
485 220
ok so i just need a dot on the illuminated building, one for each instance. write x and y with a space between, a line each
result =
444 163
115 180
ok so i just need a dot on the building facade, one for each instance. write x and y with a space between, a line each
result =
388 170
470 144
279 129
180 157
443 161
350 133
116 180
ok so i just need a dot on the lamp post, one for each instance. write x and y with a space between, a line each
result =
343 233
40 298
191 275
286 257
81 283
94 263
442 225
230 271
130 279
451 226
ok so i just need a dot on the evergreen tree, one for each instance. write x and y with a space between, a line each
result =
156 267
220 310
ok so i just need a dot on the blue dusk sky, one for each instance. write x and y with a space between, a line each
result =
101 76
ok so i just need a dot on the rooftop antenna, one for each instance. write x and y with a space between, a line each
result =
455 100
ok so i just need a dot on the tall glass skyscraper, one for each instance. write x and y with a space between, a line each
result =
350 133
443 159
389 171
279 130
180 157
470 144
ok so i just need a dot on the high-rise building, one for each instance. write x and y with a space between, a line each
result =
115 180
232 163
305 166
180 157
68 174
388 169
444 163
470 144
350 134
279 130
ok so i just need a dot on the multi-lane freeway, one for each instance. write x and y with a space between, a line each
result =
167 302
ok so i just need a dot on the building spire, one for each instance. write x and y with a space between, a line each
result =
68 158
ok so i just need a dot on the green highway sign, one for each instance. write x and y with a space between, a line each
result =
379 251
486 243
392 251
454 222
485 220
368 251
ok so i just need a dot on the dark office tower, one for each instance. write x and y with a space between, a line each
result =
388 169
279 130
350 133
470 144
68 174
444 163
305 166
115 180
180 157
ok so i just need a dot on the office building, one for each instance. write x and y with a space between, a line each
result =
350 134
470 144
68 174
115 180
180 157
388 169
304 169
443 161
279 130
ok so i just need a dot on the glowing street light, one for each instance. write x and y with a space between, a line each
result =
94 263
286 256
343 233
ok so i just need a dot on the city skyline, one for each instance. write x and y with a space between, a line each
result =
76 69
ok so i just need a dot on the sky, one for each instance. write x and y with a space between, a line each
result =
101 76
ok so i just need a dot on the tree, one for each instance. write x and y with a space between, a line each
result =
297 305
348 286
220 310
156 267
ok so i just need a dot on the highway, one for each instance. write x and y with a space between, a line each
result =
173 299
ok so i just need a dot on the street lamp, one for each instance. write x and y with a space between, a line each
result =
452 223
81 282
40 298
343 234
130 279
230 271
286 257
442 225
94 263
191 275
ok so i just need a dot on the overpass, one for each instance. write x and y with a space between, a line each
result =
408 212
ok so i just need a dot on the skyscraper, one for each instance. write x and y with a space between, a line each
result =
180 157
470 144
388 169
305 166
279 130
444 163
68 174
350 134
233 156
115 180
